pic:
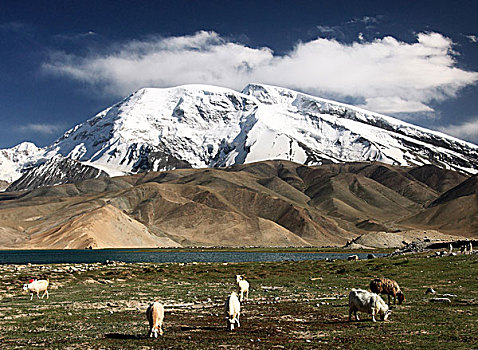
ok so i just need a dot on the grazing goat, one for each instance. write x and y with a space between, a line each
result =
242 287
233 310
155 315
389 287
371 303
37 286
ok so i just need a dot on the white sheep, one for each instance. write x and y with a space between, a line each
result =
233 310
242 287
155 315
365 301
37 286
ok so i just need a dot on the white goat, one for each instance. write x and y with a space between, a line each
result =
155 315
37 286
371 303
242 287
233 310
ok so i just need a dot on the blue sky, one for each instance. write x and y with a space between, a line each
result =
61 62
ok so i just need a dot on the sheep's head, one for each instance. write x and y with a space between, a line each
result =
401 298
384 311
384 316
232 321
155 332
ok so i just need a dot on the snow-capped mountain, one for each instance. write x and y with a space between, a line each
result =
14 161
206 126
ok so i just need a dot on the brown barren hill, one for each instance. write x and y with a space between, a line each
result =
104 227
272 203
455 211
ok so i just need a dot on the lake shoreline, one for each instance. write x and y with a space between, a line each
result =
173 256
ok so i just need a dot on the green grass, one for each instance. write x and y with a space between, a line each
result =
293 305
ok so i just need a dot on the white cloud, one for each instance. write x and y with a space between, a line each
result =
473 38
367 20
465 131
14 27
327 29
46 129
389 75
395 104
76 36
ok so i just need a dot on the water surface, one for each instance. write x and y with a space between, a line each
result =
134 255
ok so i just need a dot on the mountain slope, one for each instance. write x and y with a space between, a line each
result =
273 203
103 227
455 211
57 170
199 126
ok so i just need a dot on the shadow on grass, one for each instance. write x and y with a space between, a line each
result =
205 328
125 336
337 322
145 336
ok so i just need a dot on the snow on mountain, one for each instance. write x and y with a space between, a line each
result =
206 126
57 170
337 132
13 161
160 129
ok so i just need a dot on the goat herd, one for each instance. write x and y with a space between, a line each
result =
359 300
155 311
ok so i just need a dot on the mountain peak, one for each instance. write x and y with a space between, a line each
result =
14 161
209 126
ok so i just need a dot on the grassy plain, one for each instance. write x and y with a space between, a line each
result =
293 305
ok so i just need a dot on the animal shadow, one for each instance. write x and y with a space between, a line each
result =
204 328
125 336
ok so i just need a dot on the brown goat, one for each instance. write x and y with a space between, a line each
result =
389 287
